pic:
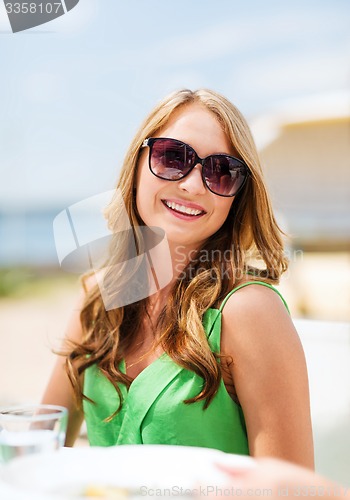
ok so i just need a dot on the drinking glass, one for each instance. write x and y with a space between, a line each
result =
25 430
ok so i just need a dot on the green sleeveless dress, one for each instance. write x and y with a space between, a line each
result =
153 410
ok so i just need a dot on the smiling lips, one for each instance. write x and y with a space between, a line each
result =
184 210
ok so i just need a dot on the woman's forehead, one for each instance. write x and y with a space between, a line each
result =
199 127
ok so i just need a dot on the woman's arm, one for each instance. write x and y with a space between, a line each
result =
59 390
269 373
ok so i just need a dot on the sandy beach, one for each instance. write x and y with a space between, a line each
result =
29 329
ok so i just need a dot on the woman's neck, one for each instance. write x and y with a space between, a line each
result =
168 261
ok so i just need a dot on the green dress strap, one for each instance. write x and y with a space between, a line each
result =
263 283
214 315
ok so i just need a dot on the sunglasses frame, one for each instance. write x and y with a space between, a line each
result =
151 140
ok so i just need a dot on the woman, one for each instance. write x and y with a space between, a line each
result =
212 358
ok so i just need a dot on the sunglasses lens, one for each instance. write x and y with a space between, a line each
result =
171 159
224 175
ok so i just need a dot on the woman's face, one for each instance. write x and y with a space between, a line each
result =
199 128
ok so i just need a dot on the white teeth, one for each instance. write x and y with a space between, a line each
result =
181 208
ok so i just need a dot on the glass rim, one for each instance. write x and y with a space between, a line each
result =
9 412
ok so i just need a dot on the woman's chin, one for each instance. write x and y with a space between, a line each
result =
183 241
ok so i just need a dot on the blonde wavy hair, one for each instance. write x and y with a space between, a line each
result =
249 232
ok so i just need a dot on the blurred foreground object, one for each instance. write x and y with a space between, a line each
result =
277 478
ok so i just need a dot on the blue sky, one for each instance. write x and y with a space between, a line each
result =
73 91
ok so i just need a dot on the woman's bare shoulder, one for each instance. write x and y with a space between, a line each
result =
252 310
253 295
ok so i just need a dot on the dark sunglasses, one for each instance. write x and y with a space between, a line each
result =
172 160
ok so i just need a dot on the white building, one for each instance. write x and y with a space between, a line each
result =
305 151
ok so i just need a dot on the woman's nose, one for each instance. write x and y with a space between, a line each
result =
193 182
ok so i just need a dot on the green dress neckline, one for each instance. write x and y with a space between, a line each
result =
153 410
211 310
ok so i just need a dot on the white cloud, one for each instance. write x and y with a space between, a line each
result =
279 75
43 86
270 31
